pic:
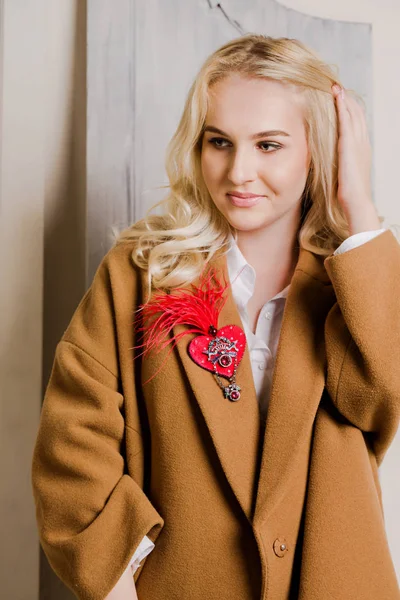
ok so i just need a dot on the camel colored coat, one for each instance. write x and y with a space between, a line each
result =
236 513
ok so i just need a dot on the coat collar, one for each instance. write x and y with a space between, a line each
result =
260 464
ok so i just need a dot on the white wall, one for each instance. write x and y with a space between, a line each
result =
21 252
41 181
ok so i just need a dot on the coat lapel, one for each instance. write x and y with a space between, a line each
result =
297 385
234 426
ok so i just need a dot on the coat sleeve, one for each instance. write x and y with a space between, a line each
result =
362 338
91 514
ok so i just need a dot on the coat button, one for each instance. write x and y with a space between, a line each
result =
280 547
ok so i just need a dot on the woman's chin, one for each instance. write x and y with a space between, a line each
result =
248 222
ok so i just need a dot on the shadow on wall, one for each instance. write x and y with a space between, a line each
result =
65 244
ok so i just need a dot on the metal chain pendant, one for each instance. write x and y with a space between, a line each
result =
231 391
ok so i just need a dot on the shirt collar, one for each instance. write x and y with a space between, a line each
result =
242 275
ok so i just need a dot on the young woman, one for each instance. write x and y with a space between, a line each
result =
228 386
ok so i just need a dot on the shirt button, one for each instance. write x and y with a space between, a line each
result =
262 365
268 315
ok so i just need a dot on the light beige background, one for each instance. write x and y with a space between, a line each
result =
42 233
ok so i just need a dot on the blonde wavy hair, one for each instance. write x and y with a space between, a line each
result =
175 246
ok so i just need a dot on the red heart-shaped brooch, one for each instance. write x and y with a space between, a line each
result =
216 350
220 353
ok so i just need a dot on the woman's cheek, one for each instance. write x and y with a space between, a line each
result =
286 174
211 169
205 164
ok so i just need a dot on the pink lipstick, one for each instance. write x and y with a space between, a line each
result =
244 200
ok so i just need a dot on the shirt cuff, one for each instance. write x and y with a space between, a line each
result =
144 548
357 240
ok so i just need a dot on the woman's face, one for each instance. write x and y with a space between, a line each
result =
235 157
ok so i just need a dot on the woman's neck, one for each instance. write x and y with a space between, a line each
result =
272 252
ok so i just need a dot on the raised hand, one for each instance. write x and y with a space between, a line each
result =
355 158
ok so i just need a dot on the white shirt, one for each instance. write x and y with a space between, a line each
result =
263 343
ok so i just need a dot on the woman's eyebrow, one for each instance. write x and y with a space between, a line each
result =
271 132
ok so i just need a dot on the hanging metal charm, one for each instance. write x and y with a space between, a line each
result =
231 391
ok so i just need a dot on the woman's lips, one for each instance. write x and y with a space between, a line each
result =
244 202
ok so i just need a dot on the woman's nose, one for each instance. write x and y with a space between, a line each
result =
242 167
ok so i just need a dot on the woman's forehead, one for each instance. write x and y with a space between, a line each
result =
255 104
235 82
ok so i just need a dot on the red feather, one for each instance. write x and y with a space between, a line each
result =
199 308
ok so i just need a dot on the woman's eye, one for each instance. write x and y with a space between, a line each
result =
273 146
214 141
218 143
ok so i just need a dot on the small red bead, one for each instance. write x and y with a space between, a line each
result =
225 361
